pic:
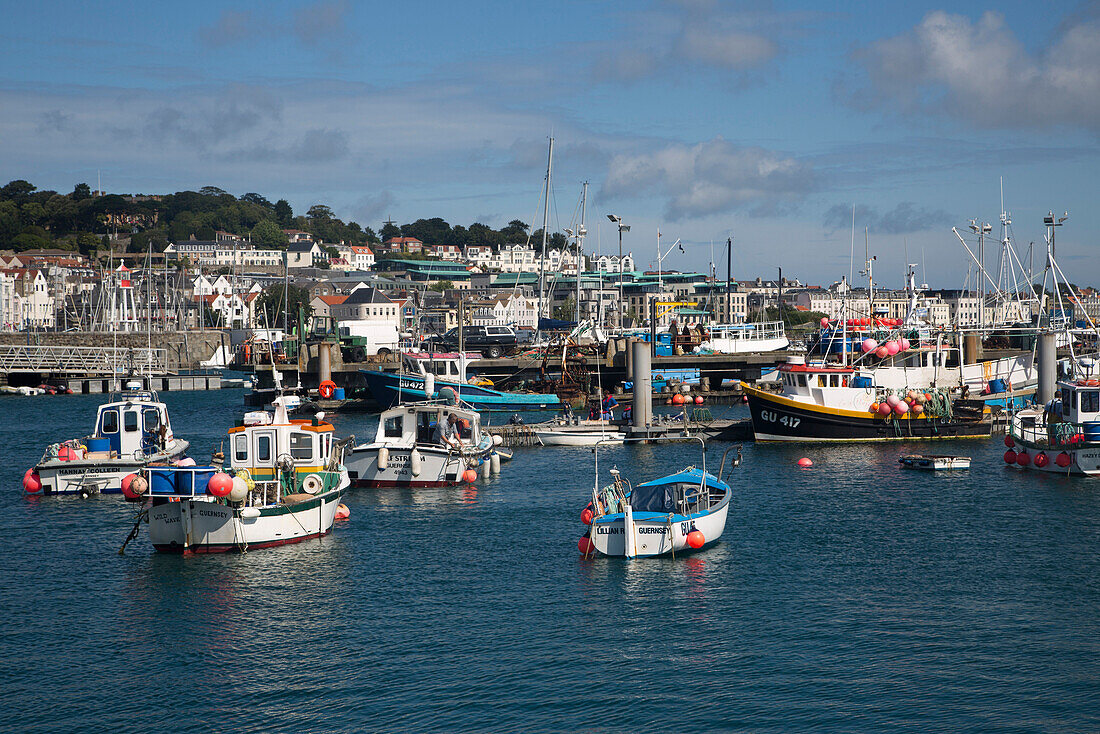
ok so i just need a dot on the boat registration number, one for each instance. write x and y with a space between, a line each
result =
784 420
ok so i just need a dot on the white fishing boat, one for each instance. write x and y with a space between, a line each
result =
132 431
747 337
283 486
1061 437
562 431
934 462
681 512
408 452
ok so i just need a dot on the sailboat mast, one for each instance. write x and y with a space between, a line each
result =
545 222
581 232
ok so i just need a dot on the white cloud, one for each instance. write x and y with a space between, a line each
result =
710 178
981 72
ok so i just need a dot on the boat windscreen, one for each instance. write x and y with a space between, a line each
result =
653 498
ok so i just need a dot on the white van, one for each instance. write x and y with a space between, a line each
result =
369 336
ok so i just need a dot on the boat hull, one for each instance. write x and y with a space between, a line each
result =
438 468
98 476
559 437
777 419
389 389
651 534
200 525
1084 459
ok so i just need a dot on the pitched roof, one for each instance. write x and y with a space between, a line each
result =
332 300
366 295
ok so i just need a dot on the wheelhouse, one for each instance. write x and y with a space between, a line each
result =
449 366
135 423
415 425
262 449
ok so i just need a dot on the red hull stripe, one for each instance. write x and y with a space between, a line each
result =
380 484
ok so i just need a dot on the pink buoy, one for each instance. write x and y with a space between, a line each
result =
882 353
698 399
885 409
220 485
892 401
805 462
342 512
868 345
824 321
901 408
32 483
904 344
891 347
586 514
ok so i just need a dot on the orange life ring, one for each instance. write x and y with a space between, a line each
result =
327 389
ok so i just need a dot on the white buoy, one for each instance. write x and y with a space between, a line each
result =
429 385
415 462
494 462
497 439
239 493
383 458
485 469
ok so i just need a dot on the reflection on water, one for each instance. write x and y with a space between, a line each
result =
850 596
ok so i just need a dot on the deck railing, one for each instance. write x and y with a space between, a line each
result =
63 359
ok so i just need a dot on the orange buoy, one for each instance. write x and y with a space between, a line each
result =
469 476
586 515
698 399
695 539
677 399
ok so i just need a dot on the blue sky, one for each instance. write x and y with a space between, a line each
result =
767 121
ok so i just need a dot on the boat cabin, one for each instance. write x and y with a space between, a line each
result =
1080 401
262 446
134 421
410 425
798 378
448 366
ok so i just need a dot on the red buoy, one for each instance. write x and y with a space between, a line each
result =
1063 460
220 485
1010 457
32 483
805 463
698 399
677 399
134 487
1009 442
695 539
1023 459
1041 459
587 515
469 476
585 545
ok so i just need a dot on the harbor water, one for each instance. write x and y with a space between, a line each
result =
852 596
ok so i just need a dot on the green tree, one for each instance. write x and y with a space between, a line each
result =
443 285
567 310
284 215
515 231
270 302
266 234
258 200
389 230
18 191
81 192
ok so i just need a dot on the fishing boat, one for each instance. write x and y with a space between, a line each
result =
684 511
283 486
436 375
746 337
934 462
132 430
407 451
564 431
1062 436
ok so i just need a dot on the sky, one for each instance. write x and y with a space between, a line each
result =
766 122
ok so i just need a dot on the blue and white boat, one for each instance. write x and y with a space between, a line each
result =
682 512
434 376
132 431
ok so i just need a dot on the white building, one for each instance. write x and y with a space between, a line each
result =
511 309
610 263
29 305
366 304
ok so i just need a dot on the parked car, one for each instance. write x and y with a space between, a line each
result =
491 341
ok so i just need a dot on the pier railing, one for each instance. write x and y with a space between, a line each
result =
71 360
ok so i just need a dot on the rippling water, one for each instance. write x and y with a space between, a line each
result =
847 597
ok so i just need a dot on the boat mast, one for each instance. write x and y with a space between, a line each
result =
729 276
545 223
581 232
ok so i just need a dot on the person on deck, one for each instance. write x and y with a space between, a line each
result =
446 432
609 405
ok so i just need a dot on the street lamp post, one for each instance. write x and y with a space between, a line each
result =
618 221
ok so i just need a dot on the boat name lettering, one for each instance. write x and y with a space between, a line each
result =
652 531
88 470
211 513
772 417
608 531
163 517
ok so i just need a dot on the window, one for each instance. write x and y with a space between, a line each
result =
110 422
395 426
263 448
130 420
1067 398
301 446
1090 401
240 448
802 380
152 419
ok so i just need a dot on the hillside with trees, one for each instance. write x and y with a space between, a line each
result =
78 221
